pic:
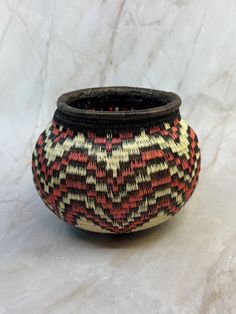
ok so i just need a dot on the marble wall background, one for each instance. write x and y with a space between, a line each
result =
49 47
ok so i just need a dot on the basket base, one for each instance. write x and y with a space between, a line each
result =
90 226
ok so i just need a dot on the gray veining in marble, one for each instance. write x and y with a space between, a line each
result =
187 265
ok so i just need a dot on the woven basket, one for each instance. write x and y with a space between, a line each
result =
116 159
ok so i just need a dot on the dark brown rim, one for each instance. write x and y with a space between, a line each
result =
173 102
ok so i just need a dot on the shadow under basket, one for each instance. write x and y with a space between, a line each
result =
116 159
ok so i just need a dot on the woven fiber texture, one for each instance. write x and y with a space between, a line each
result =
116 181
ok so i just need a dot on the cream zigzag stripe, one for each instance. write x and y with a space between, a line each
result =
90 204
101 187
128 148
174 195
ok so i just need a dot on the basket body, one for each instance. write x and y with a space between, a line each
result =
116 179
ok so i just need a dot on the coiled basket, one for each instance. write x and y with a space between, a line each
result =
116 159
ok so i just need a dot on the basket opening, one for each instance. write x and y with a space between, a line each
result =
121 102
118 102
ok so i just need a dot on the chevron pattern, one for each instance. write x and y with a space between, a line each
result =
118 182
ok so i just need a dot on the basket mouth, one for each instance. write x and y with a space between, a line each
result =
118 103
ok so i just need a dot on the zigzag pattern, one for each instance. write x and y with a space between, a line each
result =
120 182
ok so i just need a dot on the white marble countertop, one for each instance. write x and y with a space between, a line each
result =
187 265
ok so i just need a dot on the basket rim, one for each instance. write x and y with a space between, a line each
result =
173 102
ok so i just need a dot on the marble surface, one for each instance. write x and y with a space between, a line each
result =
187 265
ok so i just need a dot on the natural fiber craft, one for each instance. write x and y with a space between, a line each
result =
116 159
